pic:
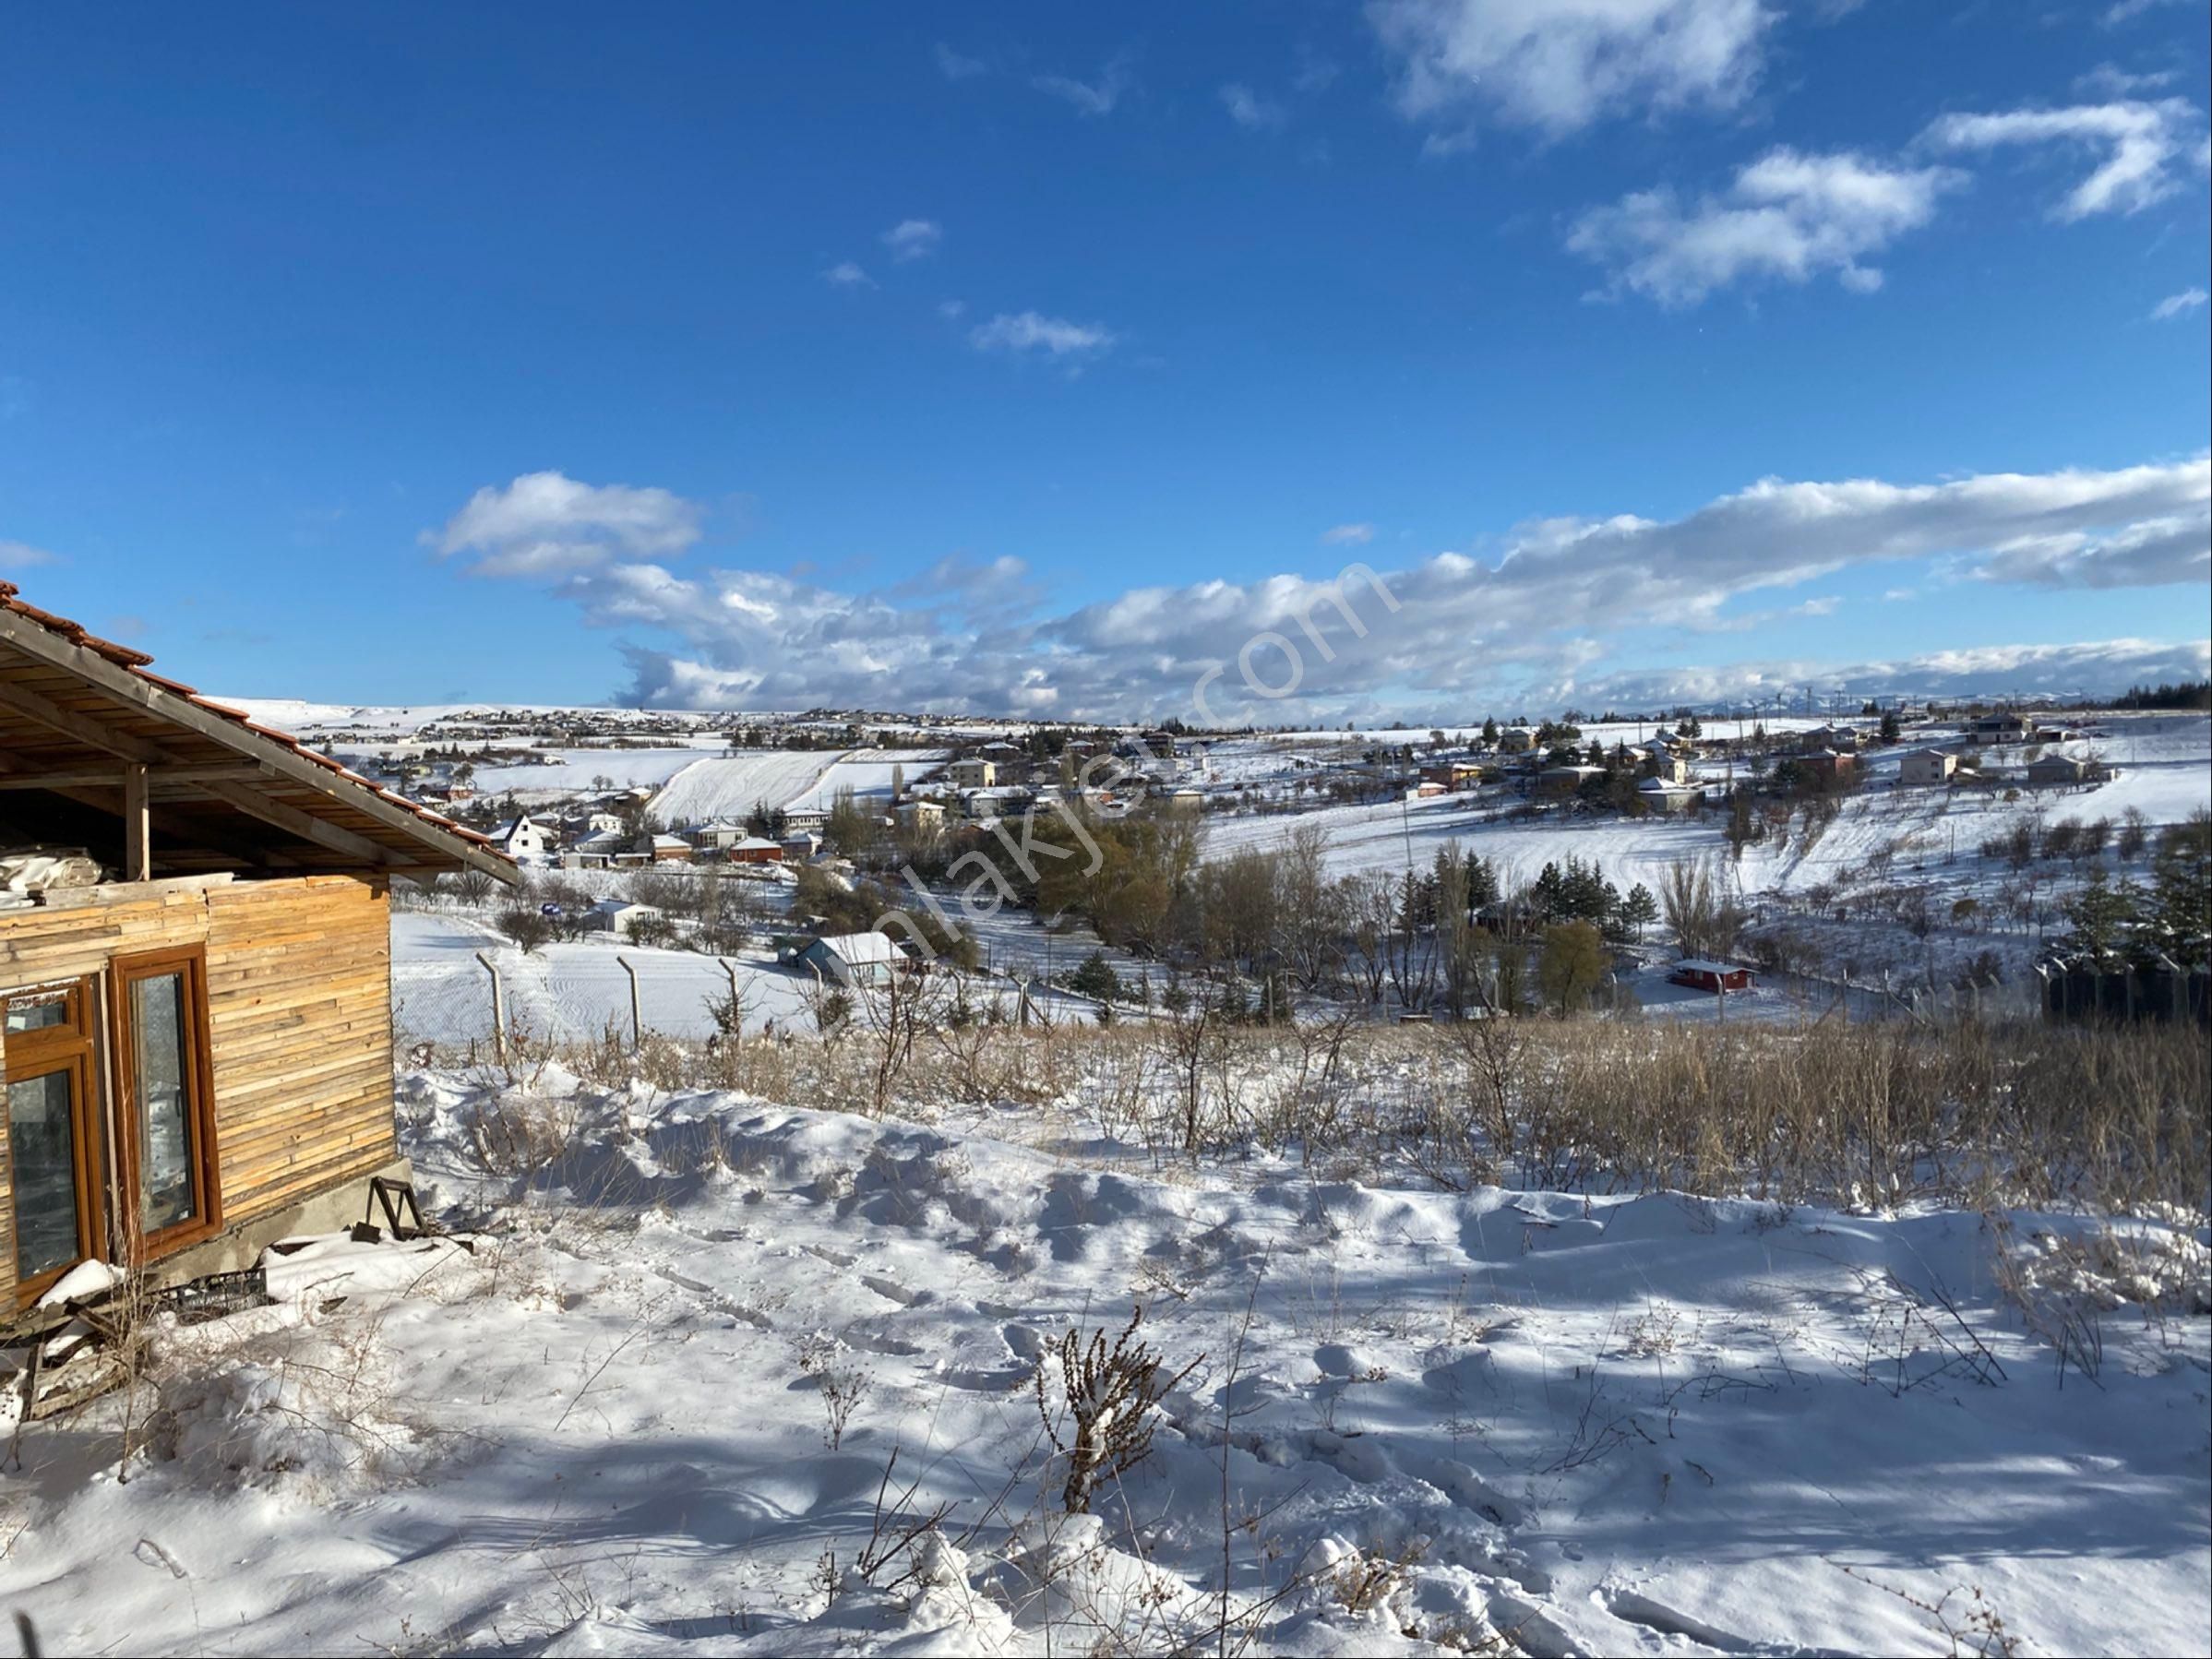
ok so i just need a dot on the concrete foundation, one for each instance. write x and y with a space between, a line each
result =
330 1210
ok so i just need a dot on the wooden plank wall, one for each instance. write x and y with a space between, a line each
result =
299 1009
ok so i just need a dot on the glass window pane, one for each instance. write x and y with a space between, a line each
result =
38 1010
160 1067
42 1151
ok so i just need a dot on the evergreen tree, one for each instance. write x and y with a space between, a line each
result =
2101 918
2181 895
1639 910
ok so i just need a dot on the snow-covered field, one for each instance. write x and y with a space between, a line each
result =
571 991
1415 1421
2164 765
730 785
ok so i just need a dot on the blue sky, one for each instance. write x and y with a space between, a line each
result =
1643 348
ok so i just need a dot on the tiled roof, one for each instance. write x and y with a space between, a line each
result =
135 661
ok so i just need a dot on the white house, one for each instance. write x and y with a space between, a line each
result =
1661 795
595 851
524 839
619 917
854 959
1926 766
972 774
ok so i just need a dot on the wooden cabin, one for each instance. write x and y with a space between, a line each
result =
1717 977
196 994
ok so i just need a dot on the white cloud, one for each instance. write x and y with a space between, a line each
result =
913 239
1031 331
1090 97
1559 65
21 555
1249 110
2179 304
2110 82
1789 214
544 524
1349 536
2122 10
952 310
954 65
2143 147
847 275
2153 553
1529 620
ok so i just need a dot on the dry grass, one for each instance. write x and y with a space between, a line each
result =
1850 1115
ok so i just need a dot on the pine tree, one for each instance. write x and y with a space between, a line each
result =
1639 910
2181 895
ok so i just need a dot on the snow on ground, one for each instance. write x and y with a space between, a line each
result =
569 991
2165 772
567 772
1421 1421
870 773
730 785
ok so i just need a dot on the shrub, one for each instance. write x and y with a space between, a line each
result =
1111 1396
525 928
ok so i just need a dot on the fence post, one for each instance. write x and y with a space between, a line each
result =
498 1010
636 1026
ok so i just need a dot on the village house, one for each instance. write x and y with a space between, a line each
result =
922 814
596 851
972 773
195 1001
2047 771
717 837
1452 774
853 958
2003 727
1659 795
798 849
1717 977
1566 780
1516 740
653 848
524 839
618 917
1665 767
1829 766
1922 767
755 849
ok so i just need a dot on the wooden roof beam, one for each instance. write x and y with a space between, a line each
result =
156 779
83 727
308 827
139 755
42 645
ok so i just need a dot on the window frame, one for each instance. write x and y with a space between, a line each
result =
190 962
69 1047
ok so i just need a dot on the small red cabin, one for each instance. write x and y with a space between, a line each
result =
1715 977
